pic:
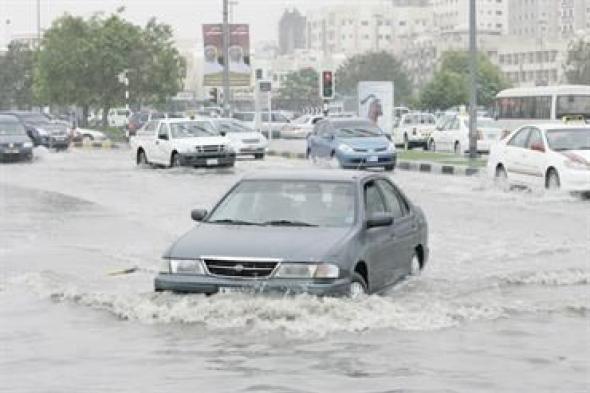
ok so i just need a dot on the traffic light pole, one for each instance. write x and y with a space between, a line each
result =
226 108
473 81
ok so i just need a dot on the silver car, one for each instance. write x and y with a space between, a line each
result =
321 232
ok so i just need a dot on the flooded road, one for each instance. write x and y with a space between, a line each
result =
504 304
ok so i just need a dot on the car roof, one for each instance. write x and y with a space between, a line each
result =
554 126
315 175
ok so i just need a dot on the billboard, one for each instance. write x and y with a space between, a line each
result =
239 55
375 100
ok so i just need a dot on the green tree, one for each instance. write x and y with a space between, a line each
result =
373 66
301 86
577 65
16 77
80 61
450 84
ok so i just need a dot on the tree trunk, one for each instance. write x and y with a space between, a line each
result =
105 116
85 110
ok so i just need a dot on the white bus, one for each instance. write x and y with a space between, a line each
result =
542 104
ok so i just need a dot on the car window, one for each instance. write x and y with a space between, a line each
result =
150 126
535 138
373 201
393 199
519 140
314 121
278 118
408 119
163 130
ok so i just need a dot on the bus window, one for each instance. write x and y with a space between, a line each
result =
573 105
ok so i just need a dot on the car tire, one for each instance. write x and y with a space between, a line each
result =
552 181
415 266
259 156
501 177
142 158
175 160
358 287
457 149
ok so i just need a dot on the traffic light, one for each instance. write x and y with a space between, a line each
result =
327 85
213 95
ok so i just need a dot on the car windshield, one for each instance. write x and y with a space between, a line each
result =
569 139
191 129
288 203
9 126
357 130
232 126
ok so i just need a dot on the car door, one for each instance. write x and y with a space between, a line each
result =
404 232
147 135
534 158
163 144
324 141
451 134
379 241
515 155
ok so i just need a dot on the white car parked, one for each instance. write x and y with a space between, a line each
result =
551 155
452 135
300 127
181 142
413 129
244 139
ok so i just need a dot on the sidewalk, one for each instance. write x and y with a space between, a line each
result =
411 160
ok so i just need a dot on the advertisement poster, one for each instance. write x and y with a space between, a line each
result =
376 103
239 55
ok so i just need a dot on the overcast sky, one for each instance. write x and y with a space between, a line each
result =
185 16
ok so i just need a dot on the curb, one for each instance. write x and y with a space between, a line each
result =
97 145
415 166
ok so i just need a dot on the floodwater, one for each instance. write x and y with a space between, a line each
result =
503 306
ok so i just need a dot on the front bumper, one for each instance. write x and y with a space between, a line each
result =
16 154
367 160
246 150
208 159
575 180
59 143
212 284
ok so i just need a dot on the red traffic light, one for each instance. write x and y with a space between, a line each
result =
327 76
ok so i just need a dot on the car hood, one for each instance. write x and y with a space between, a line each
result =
365 143
203 140
14 138
288 243
240 136
583 154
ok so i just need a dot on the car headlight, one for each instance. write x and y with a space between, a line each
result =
345 148
28 145
577 164
307 270
190 266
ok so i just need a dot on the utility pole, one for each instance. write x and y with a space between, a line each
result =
232 4
473 81
39 22
225 59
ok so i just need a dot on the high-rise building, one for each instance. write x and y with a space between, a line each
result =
572 17
452 16
292 30
548 19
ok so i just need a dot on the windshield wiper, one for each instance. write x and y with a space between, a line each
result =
233 222
289 223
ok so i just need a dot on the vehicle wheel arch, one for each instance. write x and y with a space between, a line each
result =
419 249
548 172
361 268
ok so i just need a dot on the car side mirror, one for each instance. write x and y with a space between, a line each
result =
538 147
163 137
379 220
198 214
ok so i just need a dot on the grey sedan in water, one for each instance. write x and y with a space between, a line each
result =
320 232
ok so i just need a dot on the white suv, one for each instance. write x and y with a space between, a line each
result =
414 129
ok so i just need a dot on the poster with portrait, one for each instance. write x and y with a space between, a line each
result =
239 55
376 103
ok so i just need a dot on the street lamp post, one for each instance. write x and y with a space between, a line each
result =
225 59
473 81
38 22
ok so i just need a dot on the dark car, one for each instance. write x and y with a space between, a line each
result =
14 142
138 119
354 143
43 131
324 233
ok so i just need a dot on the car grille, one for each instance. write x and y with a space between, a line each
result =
250 140
238 268
210 148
